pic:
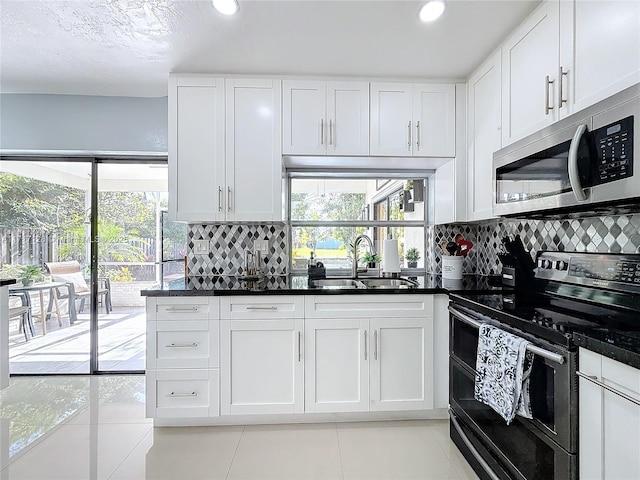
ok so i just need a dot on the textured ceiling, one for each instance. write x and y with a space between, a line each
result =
127 47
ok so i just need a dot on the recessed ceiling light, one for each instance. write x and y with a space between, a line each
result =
431 10
226 7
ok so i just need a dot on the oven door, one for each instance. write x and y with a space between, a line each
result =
543 447
553 389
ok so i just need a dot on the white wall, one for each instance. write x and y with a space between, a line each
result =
82 122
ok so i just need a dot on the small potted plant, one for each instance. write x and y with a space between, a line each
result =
412 256
371 260
29 274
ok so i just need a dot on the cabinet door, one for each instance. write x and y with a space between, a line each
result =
600 50
401 363
391 119
261 366
304 129
336 365
348 118
253 189
434 126
528 57
484 130
196 148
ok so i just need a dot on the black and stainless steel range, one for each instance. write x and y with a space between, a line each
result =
573 295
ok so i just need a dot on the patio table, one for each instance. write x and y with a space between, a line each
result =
40 288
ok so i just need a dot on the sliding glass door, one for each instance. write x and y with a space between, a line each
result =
81 237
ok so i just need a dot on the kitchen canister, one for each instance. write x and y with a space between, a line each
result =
452 267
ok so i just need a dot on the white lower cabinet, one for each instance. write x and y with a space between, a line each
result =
261 355
609 430
378 363
183 374
336 365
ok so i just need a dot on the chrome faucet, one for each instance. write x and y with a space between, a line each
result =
356 242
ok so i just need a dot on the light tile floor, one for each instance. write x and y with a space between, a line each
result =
94 428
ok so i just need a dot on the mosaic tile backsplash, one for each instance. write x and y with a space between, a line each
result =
612 234
228 243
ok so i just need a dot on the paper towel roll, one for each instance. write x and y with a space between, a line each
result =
390 257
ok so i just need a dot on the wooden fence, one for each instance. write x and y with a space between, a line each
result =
32 246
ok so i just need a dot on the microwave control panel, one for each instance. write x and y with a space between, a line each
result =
614 152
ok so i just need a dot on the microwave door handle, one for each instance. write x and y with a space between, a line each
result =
580 193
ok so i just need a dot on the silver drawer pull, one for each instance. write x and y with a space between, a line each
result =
594 379
182 345
263 308
176 395
182 309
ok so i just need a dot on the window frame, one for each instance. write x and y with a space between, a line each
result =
389 188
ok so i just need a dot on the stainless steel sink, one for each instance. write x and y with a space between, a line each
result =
363 283
388 282
337 283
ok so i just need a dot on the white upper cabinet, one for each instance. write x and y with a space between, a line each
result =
599 50
412 120
196 146
530 67
484 124
253 159
208 182
325 118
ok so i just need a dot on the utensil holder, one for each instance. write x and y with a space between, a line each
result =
452 267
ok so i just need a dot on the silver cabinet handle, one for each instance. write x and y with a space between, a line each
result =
330 132
219 198
182 345
418 134
409 131
299 346
178 395
375 345
262 308
181 309
322 131
228 199
547 95
594 379
561 74
365 344
579 192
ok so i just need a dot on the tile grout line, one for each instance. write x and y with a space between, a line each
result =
335 425
244 427
150 432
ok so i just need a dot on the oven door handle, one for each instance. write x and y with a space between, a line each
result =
580 193
472 449
554 357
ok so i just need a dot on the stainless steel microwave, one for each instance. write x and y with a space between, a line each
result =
585 160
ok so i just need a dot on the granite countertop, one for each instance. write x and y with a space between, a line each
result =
299 285
7 281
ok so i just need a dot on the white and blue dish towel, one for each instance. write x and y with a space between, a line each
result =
503 366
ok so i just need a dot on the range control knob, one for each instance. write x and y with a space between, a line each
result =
561 265
546 264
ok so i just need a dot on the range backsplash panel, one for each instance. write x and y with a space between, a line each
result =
228 244
612 234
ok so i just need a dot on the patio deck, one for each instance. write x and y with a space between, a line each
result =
65 349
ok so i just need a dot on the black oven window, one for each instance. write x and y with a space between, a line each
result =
542 393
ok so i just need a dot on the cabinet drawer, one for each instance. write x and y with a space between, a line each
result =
183 393
261 307
184 344
358 306
188 308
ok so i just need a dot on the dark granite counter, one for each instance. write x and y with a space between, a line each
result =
9 281
620 345
299 285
